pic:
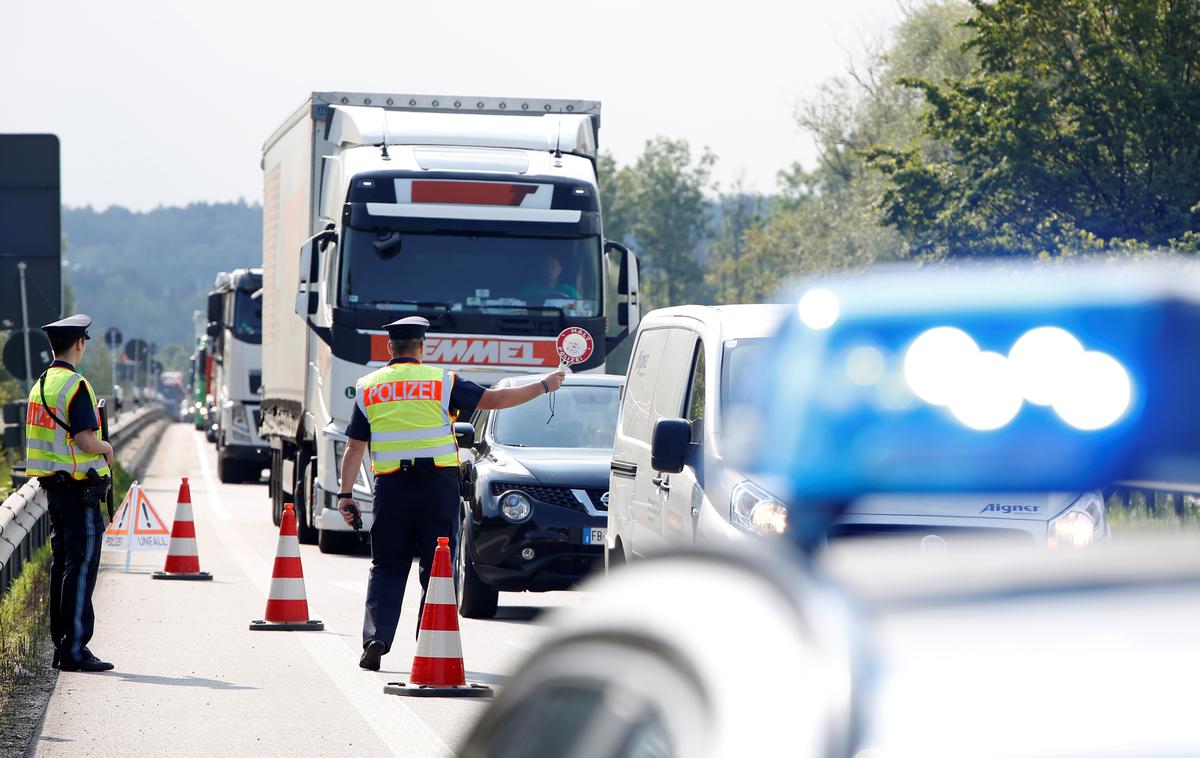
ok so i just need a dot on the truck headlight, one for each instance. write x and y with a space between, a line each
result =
757 511
515 506
239 416
1080 525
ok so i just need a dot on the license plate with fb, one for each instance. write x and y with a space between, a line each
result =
593 536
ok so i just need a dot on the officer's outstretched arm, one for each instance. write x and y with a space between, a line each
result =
92 445
494 400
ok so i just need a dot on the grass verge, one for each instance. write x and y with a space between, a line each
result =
24 629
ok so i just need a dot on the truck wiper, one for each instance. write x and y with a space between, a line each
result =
541 310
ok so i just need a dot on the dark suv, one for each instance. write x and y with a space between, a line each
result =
535 492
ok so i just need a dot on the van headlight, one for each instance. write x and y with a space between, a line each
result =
756 511
1080 525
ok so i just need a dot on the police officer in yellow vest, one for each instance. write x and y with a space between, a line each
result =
71 462
406 411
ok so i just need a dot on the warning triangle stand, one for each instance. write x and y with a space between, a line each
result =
136 526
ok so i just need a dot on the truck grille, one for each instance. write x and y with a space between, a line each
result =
560 496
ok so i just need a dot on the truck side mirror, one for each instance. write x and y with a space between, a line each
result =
670 445
214 307
310 270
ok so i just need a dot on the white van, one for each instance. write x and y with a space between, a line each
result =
672 483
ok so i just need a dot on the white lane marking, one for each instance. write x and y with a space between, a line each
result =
395 723
358 588
209 482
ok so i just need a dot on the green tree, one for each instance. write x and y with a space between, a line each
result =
827 217
727 276
616 198
670 219
1080 128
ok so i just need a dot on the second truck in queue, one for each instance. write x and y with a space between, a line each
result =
235 337
480 214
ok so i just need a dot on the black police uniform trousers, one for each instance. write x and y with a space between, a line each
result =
412 509
76 532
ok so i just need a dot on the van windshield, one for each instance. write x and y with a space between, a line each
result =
737 364
396 271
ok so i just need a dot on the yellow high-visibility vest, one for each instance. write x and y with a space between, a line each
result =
48 446
408 405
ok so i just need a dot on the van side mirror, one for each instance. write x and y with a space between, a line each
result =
670 445
464 433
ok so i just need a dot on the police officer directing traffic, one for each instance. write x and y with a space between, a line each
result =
71 464
406 412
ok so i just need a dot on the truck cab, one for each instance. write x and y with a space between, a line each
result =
482 215
235 328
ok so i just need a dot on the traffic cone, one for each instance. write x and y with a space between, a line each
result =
287 605
437 669
183 560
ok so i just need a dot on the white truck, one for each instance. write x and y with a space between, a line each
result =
235 333
481 214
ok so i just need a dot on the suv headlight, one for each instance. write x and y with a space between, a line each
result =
515 506
1080 525
757 511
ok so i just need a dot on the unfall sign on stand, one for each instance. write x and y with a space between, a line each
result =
476 350
136 525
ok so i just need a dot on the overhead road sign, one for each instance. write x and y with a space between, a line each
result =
31 217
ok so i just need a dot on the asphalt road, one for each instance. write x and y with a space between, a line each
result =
192 679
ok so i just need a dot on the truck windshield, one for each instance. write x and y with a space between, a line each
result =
583 417
390 270
247 317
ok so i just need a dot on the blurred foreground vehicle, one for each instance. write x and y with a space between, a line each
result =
990 380
676 478
535 489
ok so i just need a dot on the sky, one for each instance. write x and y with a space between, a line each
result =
167 102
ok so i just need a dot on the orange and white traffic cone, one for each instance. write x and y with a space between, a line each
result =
183 559
437 669
287 605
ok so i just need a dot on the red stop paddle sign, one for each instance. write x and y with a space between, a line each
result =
574 345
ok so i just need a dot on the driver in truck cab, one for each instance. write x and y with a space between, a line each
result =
405 412
547 285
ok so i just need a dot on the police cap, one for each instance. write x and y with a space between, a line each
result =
71 327
408 328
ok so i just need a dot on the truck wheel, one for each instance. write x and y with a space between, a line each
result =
337 543
476 600
305 530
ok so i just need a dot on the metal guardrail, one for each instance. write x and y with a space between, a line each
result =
24 516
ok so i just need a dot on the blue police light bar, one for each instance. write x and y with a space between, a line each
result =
995 377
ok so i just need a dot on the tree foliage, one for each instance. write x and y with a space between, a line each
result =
827 217
1079 129
658 206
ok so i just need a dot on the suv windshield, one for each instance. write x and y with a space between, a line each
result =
583 417
390 270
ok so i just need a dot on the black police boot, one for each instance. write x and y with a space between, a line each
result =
371 655
54 662
91 664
